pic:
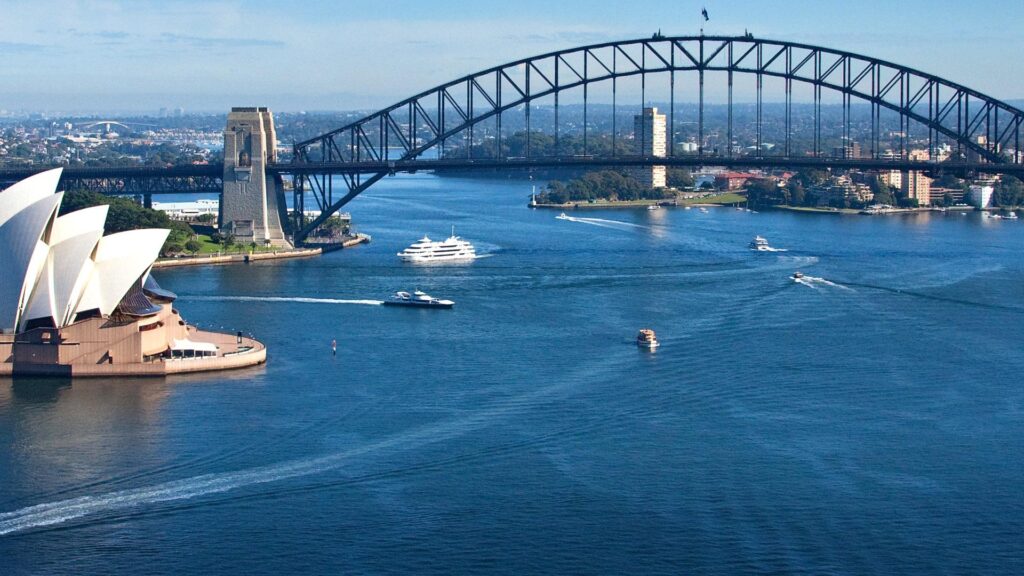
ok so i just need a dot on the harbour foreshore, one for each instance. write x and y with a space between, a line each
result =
246 258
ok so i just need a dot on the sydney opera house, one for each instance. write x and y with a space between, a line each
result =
74 302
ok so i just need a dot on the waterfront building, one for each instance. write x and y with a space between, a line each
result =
892 179
918 187
188 211
733 180
915 185
74 302
649 140
981 195
938 193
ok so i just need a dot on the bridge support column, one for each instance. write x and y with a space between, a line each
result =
252 206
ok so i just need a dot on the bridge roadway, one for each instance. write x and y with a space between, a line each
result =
207 178
115 180
463 164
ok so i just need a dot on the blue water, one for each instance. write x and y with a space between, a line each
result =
868 420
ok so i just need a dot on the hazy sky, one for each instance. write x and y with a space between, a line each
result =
98 56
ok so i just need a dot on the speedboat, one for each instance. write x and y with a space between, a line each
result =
688 207
797 275
561 216
760 244
1011 216
417 299
646 339
653 207
703 210
427 251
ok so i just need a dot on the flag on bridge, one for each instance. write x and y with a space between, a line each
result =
704 13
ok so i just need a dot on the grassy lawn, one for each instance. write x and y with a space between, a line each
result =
211 247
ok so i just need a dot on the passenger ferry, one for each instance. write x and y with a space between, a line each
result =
646 339
425 250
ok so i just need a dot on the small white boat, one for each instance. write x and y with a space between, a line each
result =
417 299
688 207
798 275
760 244
653 207
561 216
1011 216
703 210
646 339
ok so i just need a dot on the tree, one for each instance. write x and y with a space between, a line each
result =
762 192
797 193
193 246
679 178
1009 191
228 241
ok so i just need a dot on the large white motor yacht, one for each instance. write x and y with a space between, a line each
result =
425 250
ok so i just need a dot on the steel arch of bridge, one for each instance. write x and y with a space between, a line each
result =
392 139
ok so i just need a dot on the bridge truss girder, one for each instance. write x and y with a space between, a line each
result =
979 125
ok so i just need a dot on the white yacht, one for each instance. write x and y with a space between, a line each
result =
426 251
760 244
561 216
418 299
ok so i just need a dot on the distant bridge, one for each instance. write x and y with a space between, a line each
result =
417 134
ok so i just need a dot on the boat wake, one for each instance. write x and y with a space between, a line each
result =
814 282
605 223
298 299
770 249
132 499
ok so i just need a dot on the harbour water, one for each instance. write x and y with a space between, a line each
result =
867 419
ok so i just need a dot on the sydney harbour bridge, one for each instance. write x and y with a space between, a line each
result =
465 124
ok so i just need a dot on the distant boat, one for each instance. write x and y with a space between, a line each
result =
760 244
562 216
703 210
797 275
646 339
417 300
1011 216
688 207
653 207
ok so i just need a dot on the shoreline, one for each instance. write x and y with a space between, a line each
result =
246 258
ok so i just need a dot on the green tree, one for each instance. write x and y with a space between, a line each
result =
680 178
193 246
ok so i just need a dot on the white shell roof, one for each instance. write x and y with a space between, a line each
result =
54 267
120 260
23 255
67 268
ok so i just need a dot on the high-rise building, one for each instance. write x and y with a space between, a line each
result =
649 140
892 179
915 184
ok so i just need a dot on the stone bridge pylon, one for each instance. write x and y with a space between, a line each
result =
252 206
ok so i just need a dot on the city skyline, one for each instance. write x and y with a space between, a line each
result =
95 57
